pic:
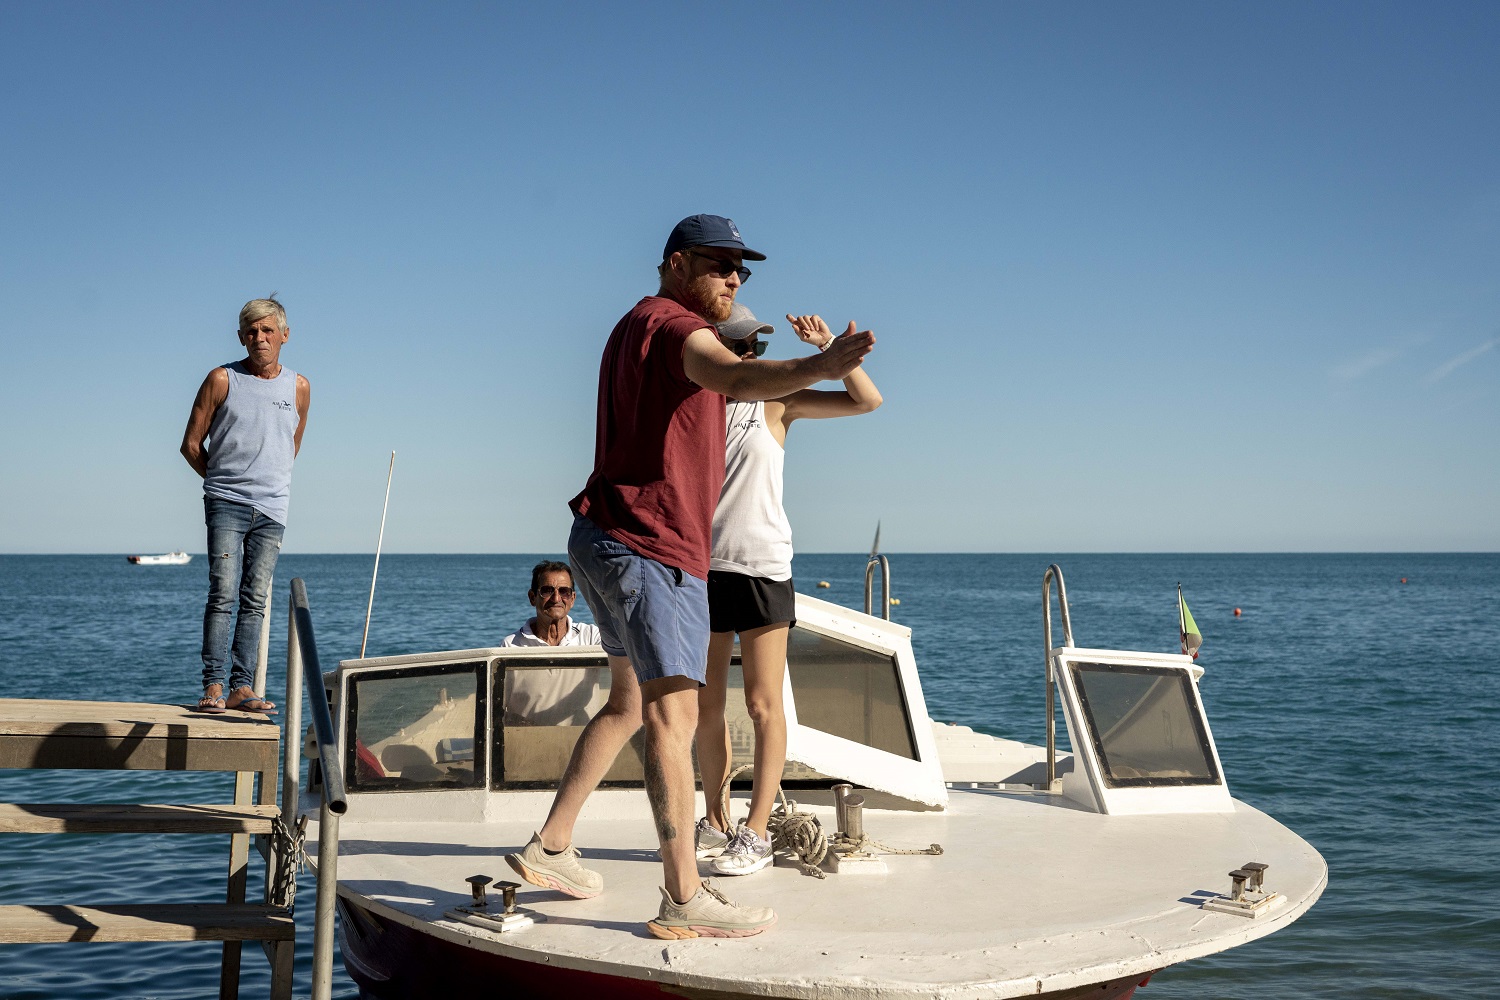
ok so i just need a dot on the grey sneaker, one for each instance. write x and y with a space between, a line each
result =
709 914
556 871
746 853
710 840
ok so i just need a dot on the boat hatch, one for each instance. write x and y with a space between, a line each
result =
855 709
1136 723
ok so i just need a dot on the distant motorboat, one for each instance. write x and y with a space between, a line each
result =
170 559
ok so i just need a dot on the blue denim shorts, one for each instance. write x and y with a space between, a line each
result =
656 615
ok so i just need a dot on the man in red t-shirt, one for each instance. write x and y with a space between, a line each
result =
640 546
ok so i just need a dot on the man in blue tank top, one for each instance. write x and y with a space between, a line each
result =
242 435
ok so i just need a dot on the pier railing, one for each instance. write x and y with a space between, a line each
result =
302 662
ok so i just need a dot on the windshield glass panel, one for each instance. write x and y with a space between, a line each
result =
850 692
543 704
414 727
1145 725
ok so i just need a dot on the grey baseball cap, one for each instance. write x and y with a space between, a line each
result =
742 324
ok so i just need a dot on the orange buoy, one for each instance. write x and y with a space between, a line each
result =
1403 579
1236 612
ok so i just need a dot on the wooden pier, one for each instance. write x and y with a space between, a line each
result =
101 735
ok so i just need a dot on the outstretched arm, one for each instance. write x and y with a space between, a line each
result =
859 394
211 395
714 366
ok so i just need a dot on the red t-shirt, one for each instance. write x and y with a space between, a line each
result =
659 441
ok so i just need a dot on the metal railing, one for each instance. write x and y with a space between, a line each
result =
885 585
302 659
1062 603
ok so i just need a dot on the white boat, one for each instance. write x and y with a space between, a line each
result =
1079 876
169 559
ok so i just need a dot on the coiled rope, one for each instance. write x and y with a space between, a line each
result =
800 835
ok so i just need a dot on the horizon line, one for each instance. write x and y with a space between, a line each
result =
931 552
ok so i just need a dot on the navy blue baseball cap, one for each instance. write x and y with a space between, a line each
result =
707 231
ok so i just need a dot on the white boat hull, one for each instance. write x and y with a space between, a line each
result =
169 559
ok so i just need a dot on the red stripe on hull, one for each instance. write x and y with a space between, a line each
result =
391 961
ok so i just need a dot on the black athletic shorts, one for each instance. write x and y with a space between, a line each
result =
739 603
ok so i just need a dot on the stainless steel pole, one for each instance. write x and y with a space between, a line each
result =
328 887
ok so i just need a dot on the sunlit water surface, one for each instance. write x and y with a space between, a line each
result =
1357 709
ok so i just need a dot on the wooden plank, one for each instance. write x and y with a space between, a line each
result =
136 753
41 717
239 863
73 817
150 922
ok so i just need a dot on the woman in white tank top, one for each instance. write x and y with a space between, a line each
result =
750 587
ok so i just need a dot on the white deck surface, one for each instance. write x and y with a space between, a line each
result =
1031 895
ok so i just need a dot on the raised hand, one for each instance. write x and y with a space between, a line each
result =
812 330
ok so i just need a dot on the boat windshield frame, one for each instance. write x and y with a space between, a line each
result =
885 744
1166 761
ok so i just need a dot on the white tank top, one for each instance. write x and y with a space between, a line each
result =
751 533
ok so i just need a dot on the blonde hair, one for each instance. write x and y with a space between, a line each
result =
261 308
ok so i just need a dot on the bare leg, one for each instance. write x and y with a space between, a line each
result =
598 745
763 652
669 706
713 731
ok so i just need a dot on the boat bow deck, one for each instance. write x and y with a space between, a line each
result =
1031 896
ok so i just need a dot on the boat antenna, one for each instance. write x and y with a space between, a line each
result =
379 542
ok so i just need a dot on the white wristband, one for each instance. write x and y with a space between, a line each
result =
826 344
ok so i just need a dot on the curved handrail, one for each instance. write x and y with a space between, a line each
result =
302 648
885 585
1062 603
322 716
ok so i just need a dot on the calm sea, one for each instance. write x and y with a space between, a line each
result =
1358 709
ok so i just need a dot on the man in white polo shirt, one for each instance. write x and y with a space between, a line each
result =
551 696
552 595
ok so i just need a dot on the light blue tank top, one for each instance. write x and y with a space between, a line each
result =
251 442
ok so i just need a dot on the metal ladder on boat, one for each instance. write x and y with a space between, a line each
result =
878 559
1054 571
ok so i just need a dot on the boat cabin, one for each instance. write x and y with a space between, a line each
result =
506 718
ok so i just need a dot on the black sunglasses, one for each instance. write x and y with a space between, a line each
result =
745 348
724 267
563 592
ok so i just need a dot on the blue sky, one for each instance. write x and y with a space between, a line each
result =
1145 277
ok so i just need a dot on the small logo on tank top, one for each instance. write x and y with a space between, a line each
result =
282 404
749 423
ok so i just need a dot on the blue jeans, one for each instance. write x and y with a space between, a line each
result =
243 545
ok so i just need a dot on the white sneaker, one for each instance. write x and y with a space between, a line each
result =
746 853
556 871
708 914
709 839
